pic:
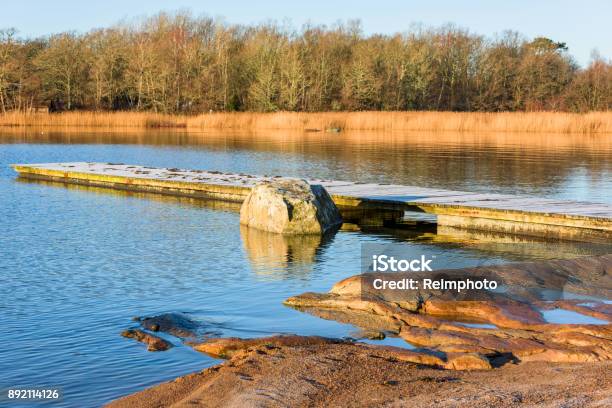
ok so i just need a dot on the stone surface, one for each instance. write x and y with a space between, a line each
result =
290 206
351 375
516 330
456 360
175 324
228 346
468 362
179 325
153 342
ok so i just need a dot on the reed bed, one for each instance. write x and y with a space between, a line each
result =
524 122
93 120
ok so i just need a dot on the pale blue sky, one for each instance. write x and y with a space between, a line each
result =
583 25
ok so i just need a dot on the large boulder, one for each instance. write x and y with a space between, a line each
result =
290 206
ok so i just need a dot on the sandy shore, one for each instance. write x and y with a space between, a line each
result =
353 375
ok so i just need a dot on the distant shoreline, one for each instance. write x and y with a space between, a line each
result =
524 122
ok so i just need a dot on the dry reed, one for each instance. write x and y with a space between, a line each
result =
525 122
93 119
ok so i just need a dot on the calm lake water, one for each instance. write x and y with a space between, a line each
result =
78 263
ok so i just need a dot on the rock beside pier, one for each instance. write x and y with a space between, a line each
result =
290 206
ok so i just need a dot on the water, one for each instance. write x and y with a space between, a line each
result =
563 316
78 263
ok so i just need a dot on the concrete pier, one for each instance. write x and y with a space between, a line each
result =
581 221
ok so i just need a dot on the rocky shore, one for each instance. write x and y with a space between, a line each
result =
515 327
493 349
353 375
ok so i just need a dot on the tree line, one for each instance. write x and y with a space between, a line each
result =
177 63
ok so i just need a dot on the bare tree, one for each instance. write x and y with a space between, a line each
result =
63 67
174 62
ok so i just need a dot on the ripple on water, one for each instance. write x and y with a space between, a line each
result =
78 263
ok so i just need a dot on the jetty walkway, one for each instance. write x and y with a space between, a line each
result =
582 221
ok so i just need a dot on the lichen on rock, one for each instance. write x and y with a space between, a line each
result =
290 206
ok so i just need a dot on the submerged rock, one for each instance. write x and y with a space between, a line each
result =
178 325
290 206
175 324
154 343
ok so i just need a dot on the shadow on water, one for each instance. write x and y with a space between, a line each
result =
180 200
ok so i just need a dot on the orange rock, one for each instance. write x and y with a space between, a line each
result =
228 346
417 357
506 313
581 340
467 361
463 348
434 338
562 355
429 319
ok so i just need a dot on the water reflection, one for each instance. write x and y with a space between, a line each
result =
181 200
277 256
516 247
82 261
553 165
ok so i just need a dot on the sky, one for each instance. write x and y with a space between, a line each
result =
584 25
